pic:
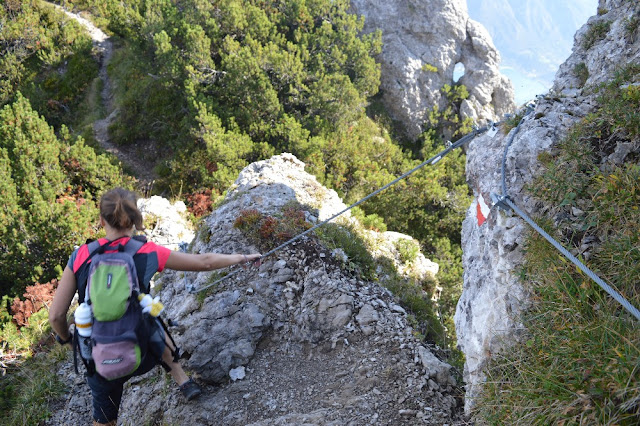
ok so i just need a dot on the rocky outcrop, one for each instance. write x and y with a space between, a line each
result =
166 222
487 313
421 44
298 340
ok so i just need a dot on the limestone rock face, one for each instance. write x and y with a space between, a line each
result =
487 313
605 43
165 221
420 35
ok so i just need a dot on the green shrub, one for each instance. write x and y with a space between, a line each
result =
47 205
369 221
581 72
447 123
598 31
51 61
407 249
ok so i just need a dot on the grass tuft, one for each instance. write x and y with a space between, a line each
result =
598 31
29 383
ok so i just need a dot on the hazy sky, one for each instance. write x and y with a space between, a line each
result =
533 37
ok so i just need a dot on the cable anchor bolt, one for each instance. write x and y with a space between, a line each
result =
499 201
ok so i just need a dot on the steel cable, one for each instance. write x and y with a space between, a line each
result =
432 161
504 198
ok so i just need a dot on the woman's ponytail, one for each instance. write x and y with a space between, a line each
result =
119 208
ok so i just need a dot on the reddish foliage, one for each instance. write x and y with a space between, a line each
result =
283 236
267 227
212 166
14 5
75 195
36 296
199 203
295 218
247 218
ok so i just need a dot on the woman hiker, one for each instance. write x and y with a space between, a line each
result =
119 216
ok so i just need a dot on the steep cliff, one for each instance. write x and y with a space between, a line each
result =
487 318
421 44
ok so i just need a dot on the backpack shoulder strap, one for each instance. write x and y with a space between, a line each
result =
134 244
93 247
81 279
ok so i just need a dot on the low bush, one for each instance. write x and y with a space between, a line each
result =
270 231
597 31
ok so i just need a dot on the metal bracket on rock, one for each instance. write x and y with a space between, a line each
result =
187 285
492 129
499 201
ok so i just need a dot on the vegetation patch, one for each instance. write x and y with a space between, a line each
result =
28 359
200 203
581 72
407 249
269 231
28 390
447 123
213 277
346 237
598 31
413 297
372 222
429 68
631 25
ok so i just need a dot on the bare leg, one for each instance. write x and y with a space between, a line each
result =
176 372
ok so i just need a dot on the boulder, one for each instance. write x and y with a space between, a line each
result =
422 42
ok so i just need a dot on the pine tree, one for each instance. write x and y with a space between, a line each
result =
46 203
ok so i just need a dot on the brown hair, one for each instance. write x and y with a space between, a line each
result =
118 207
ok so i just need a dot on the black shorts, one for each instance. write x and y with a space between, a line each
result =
107 394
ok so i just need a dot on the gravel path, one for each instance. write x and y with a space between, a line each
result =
138 158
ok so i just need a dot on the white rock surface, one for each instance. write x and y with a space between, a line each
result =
436 33
169 226
237 373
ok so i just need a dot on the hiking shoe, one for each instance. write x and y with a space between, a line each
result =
190 390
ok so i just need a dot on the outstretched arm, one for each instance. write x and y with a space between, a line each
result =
206 261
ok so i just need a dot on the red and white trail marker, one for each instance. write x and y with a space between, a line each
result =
482 210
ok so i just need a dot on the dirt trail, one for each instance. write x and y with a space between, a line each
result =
139 159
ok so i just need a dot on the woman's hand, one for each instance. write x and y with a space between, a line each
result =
255 259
